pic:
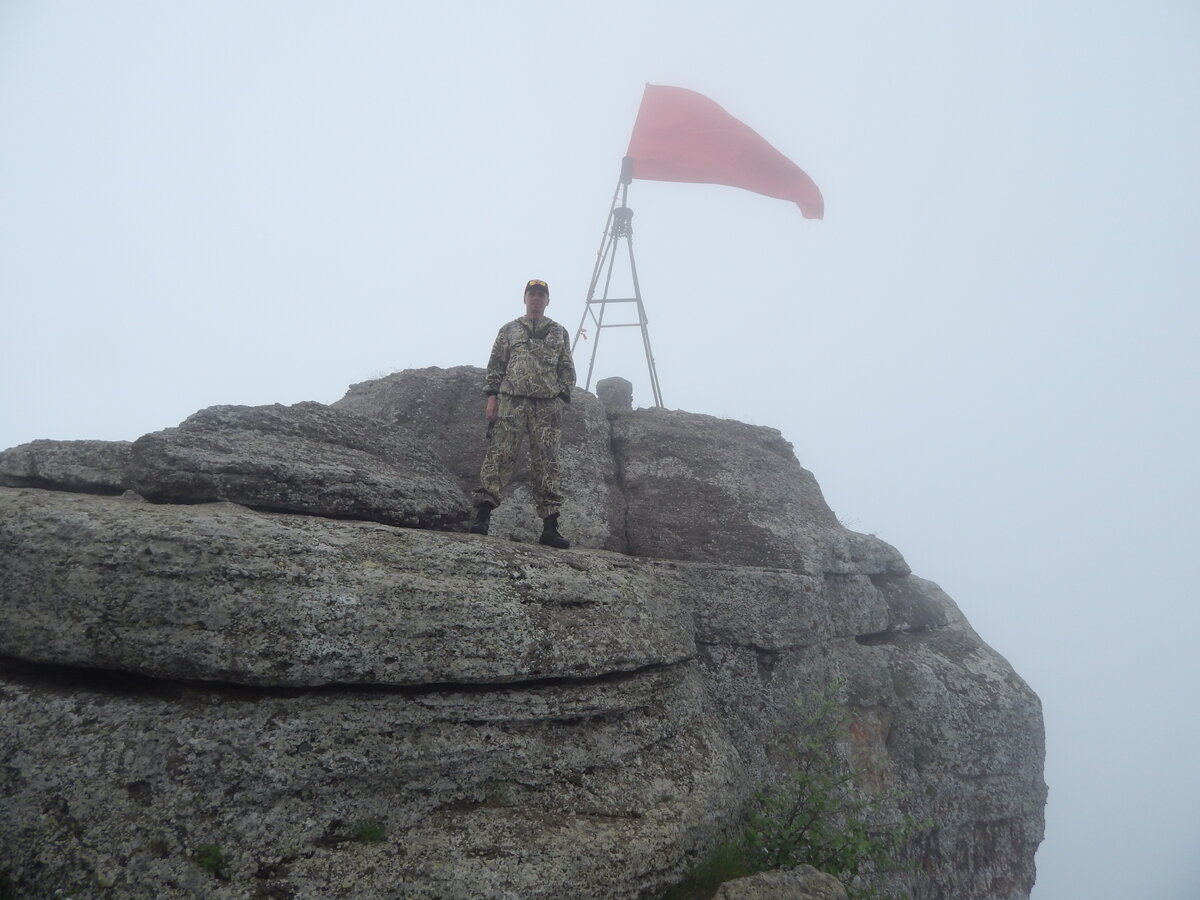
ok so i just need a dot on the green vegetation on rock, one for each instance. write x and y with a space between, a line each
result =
817 815
210 858
370 831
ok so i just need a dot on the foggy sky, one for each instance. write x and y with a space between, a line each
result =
986 352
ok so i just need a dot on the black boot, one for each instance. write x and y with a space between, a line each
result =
550 536
483 517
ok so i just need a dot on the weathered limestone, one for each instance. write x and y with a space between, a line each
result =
523 722
217 592
800 883
93 466
112 786
712 489
445 406
303 458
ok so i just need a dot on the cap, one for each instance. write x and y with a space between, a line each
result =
537 283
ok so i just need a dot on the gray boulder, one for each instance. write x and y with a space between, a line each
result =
305 458
219 593
717 490
445 408
91 466
616 394
800 883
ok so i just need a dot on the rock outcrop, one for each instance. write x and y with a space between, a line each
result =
800 883
251 676
445 407
92 466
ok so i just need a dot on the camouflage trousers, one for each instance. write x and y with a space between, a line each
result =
541 421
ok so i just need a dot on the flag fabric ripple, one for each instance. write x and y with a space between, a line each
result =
680 135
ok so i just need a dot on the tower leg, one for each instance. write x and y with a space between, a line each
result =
618 226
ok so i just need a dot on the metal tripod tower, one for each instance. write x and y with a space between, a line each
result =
618 227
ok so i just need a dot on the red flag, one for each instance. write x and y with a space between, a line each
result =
680 135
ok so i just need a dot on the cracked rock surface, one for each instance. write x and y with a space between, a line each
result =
263 661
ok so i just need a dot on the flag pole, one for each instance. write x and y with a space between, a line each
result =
617 226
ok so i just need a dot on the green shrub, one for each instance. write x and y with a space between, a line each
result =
210 858
817 815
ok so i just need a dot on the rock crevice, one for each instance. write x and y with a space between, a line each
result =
60 676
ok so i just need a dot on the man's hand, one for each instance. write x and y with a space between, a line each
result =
489 411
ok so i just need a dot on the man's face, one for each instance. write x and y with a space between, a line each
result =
536 301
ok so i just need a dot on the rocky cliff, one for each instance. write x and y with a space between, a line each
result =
255 656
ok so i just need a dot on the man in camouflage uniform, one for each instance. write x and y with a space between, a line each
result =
529 377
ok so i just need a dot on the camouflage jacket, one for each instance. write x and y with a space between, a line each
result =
531 359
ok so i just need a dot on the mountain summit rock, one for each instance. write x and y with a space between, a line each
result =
257 655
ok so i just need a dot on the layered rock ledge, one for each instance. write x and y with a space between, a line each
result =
252 648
